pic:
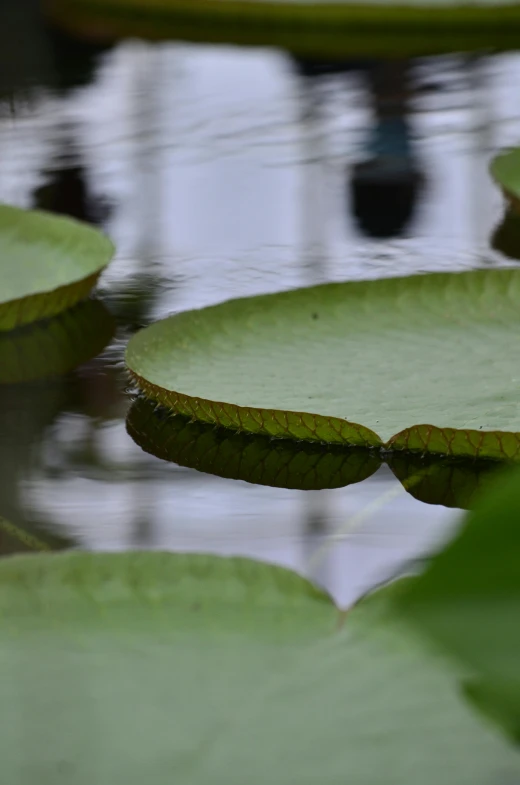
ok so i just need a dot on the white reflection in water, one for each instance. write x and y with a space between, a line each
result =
228 175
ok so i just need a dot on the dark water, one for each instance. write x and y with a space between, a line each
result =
220 172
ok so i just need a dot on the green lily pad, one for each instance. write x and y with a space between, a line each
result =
283 463
469 600
150 667
54 347
505 169
423 363
324 28
48 264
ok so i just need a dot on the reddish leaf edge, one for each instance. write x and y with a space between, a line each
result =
423 439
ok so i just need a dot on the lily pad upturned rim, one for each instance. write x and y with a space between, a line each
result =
253 458
49 235
298 465
488 295
328 30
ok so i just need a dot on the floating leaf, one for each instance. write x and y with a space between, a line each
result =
332 29
280 463
48 264
283 463
342 363
505 169
55 346
469 600
148 667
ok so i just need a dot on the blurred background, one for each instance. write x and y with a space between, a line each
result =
221 171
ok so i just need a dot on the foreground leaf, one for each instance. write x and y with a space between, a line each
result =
48 263
332 29
499 701
54 347
469 599
157 668
421 364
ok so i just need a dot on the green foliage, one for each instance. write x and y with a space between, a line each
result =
150 667
323 29
468 599
280 463
285 463
48 264
421 364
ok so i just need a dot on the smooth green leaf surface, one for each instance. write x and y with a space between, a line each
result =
505 169
499 701
469 599
48 263
331 28
55 346
283 463
424 363
161 668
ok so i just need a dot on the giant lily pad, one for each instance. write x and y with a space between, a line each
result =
423 363
150 667
48 264
283 463
331 28
55 346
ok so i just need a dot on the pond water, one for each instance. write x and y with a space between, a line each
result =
221 172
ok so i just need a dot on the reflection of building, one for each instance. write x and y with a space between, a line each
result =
227 177
207 146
